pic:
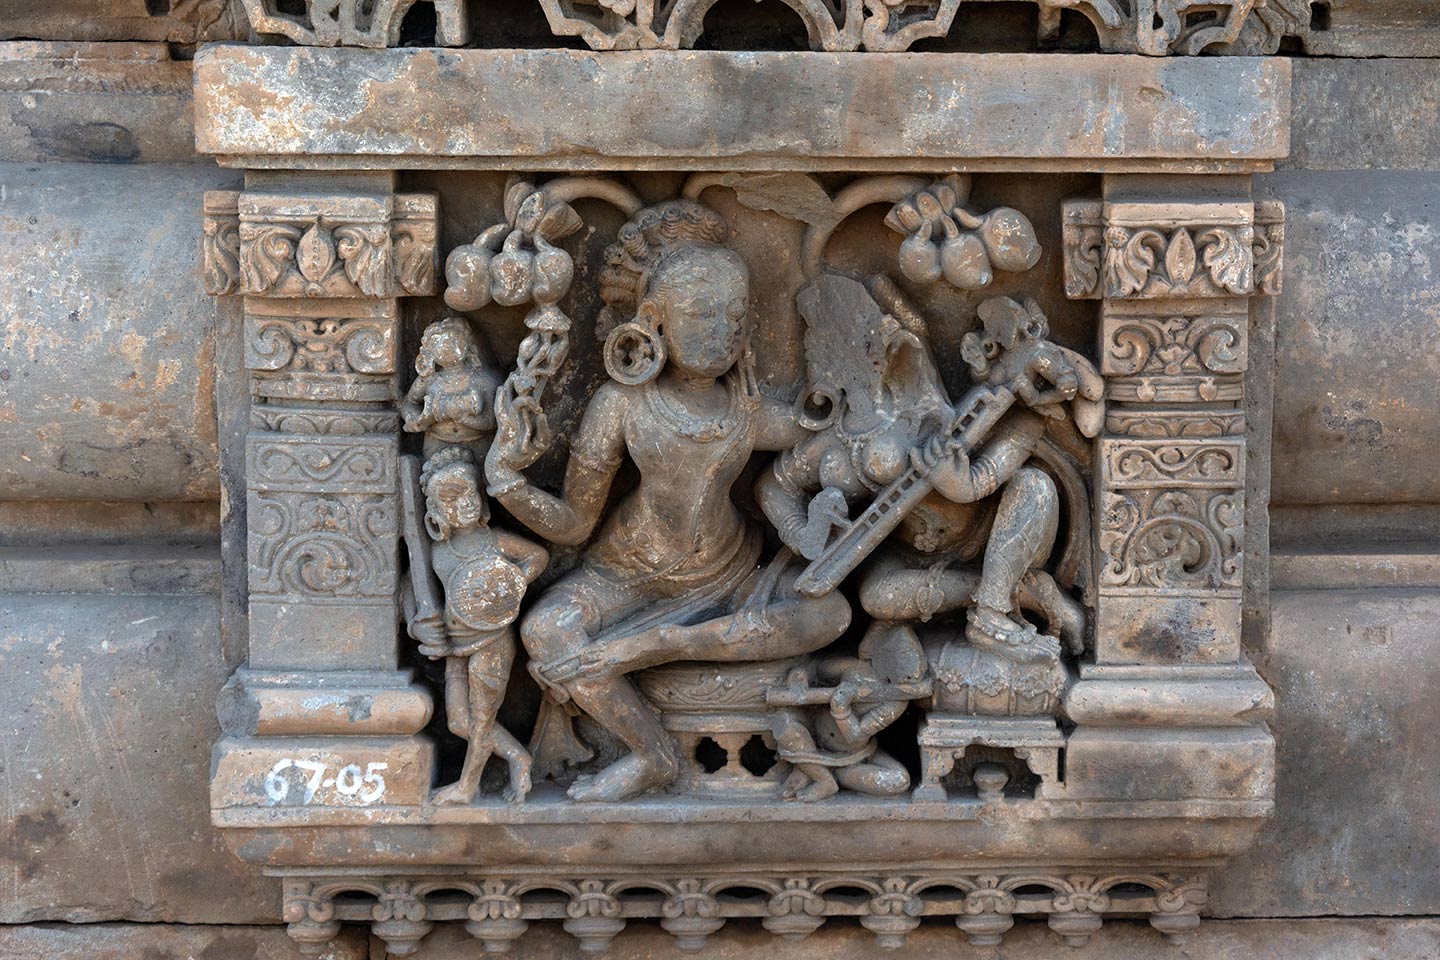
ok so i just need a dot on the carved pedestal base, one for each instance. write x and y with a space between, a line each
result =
721 724
944 739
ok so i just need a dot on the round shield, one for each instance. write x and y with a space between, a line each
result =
485 593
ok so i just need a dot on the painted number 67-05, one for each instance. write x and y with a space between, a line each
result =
349 781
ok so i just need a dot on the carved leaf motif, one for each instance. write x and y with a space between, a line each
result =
220 256
1267 25
1217 349
363 250
415 264
1180 258
1082 267
315 254
1228 257
267 257
797 196
1128 261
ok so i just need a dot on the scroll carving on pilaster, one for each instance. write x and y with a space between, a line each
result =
220 243
1175 279
1172 513
320 515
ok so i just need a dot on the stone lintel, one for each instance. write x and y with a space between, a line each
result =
297 107
650 834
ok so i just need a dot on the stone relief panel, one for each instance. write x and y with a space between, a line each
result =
695 499
951 504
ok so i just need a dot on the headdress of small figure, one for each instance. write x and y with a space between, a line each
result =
442 464
634 350
426 362
1006 323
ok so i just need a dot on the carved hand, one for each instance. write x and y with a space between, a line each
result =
509 454
431 635
928 455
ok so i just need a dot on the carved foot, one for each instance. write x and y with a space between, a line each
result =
455 795
627 777
819 790
793 785
991 630
519 787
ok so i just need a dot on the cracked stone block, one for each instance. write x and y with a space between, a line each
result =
1357 818
106 362
106 759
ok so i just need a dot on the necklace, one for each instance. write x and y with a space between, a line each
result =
686 423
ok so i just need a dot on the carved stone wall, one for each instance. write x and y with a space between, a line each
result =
1162 239
1041 554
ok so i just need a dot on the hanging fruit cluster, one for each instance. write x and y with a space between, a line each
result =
943 239
517 262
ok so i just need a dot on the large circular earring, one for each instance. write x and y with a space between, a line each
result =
634 353
818 408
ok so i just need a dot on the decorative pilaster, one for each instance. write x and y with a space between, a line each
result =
321 274
1175 280
1182 711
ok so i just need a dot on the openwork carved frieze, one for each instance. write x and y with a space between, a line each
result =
498 910
353 23
1154 27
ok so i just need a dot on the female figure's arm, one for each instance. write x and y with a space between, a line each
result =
412 407
779 429
783 490
594 457
965 479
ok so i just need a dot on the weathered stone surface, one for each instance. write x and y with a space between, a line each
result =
129 941
1365 115
864 111
105 756
106 361
94 102
176 21
1373 28
1357 818
1357 342
1116 940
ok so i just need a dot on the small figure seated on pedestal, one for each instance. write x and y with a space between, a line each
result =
835 747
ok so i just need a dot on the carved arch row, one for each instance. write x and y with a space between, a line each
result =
402 910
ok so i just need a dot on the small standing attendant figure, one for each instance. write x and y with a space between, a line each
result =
483 573
452 400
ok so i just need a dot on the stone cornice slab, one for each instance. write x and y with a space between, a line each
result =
297 107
